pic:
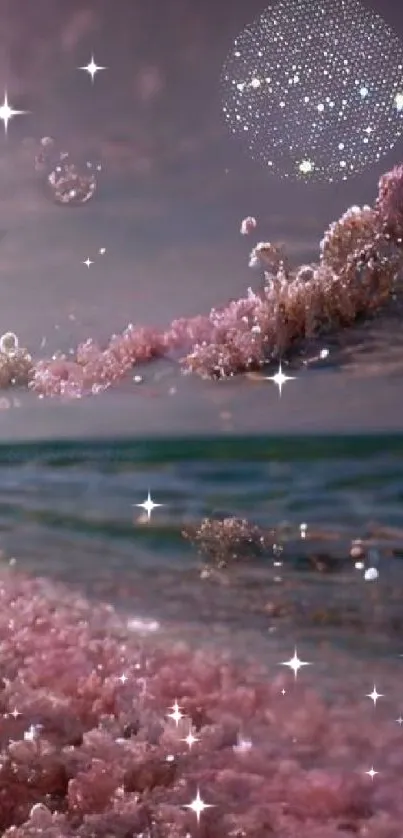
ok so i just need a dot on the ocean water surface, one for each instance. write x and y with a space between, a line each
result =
68 511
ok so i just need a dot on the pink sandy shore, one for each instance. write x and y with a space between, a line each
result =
87 748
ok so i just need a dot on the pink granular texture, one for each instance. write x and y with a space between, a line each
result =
95 369
107 761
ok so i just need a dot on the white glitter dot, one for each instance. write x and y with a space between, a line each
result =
306 166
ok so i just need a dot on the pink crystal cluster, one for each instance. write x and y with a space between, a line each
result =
88 748
361 257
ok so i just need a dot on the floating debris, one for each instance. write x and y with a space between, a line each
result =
248 225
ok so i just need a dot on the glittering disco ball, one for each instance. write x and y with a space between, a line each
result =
314 88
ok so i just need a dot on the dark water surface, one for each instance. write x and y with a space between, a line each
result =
66 512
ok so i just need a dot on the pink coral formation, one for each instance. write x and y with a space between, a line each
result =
389 204
360 262
229 539
87 751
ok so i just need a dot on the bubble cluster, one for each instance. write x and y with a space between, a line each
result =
67 182
314 88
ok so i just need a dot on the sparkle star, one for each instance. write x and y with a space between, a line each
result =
374 695
190 739
371 773
87 262
295 663
148 505
92 68
198 806
176 714
279 378
399 101
7 112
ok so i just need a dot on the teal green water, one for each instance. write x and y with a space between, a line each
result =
87 489
234 448
68 511
90 487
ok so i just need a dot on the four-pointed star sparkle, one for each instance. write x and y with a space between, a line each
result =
294 663
176 714
374 695
198 806
92 68
148 505
279 378
190 739
7 112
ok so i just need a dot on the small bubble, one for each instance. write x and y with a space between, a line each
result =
303 530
